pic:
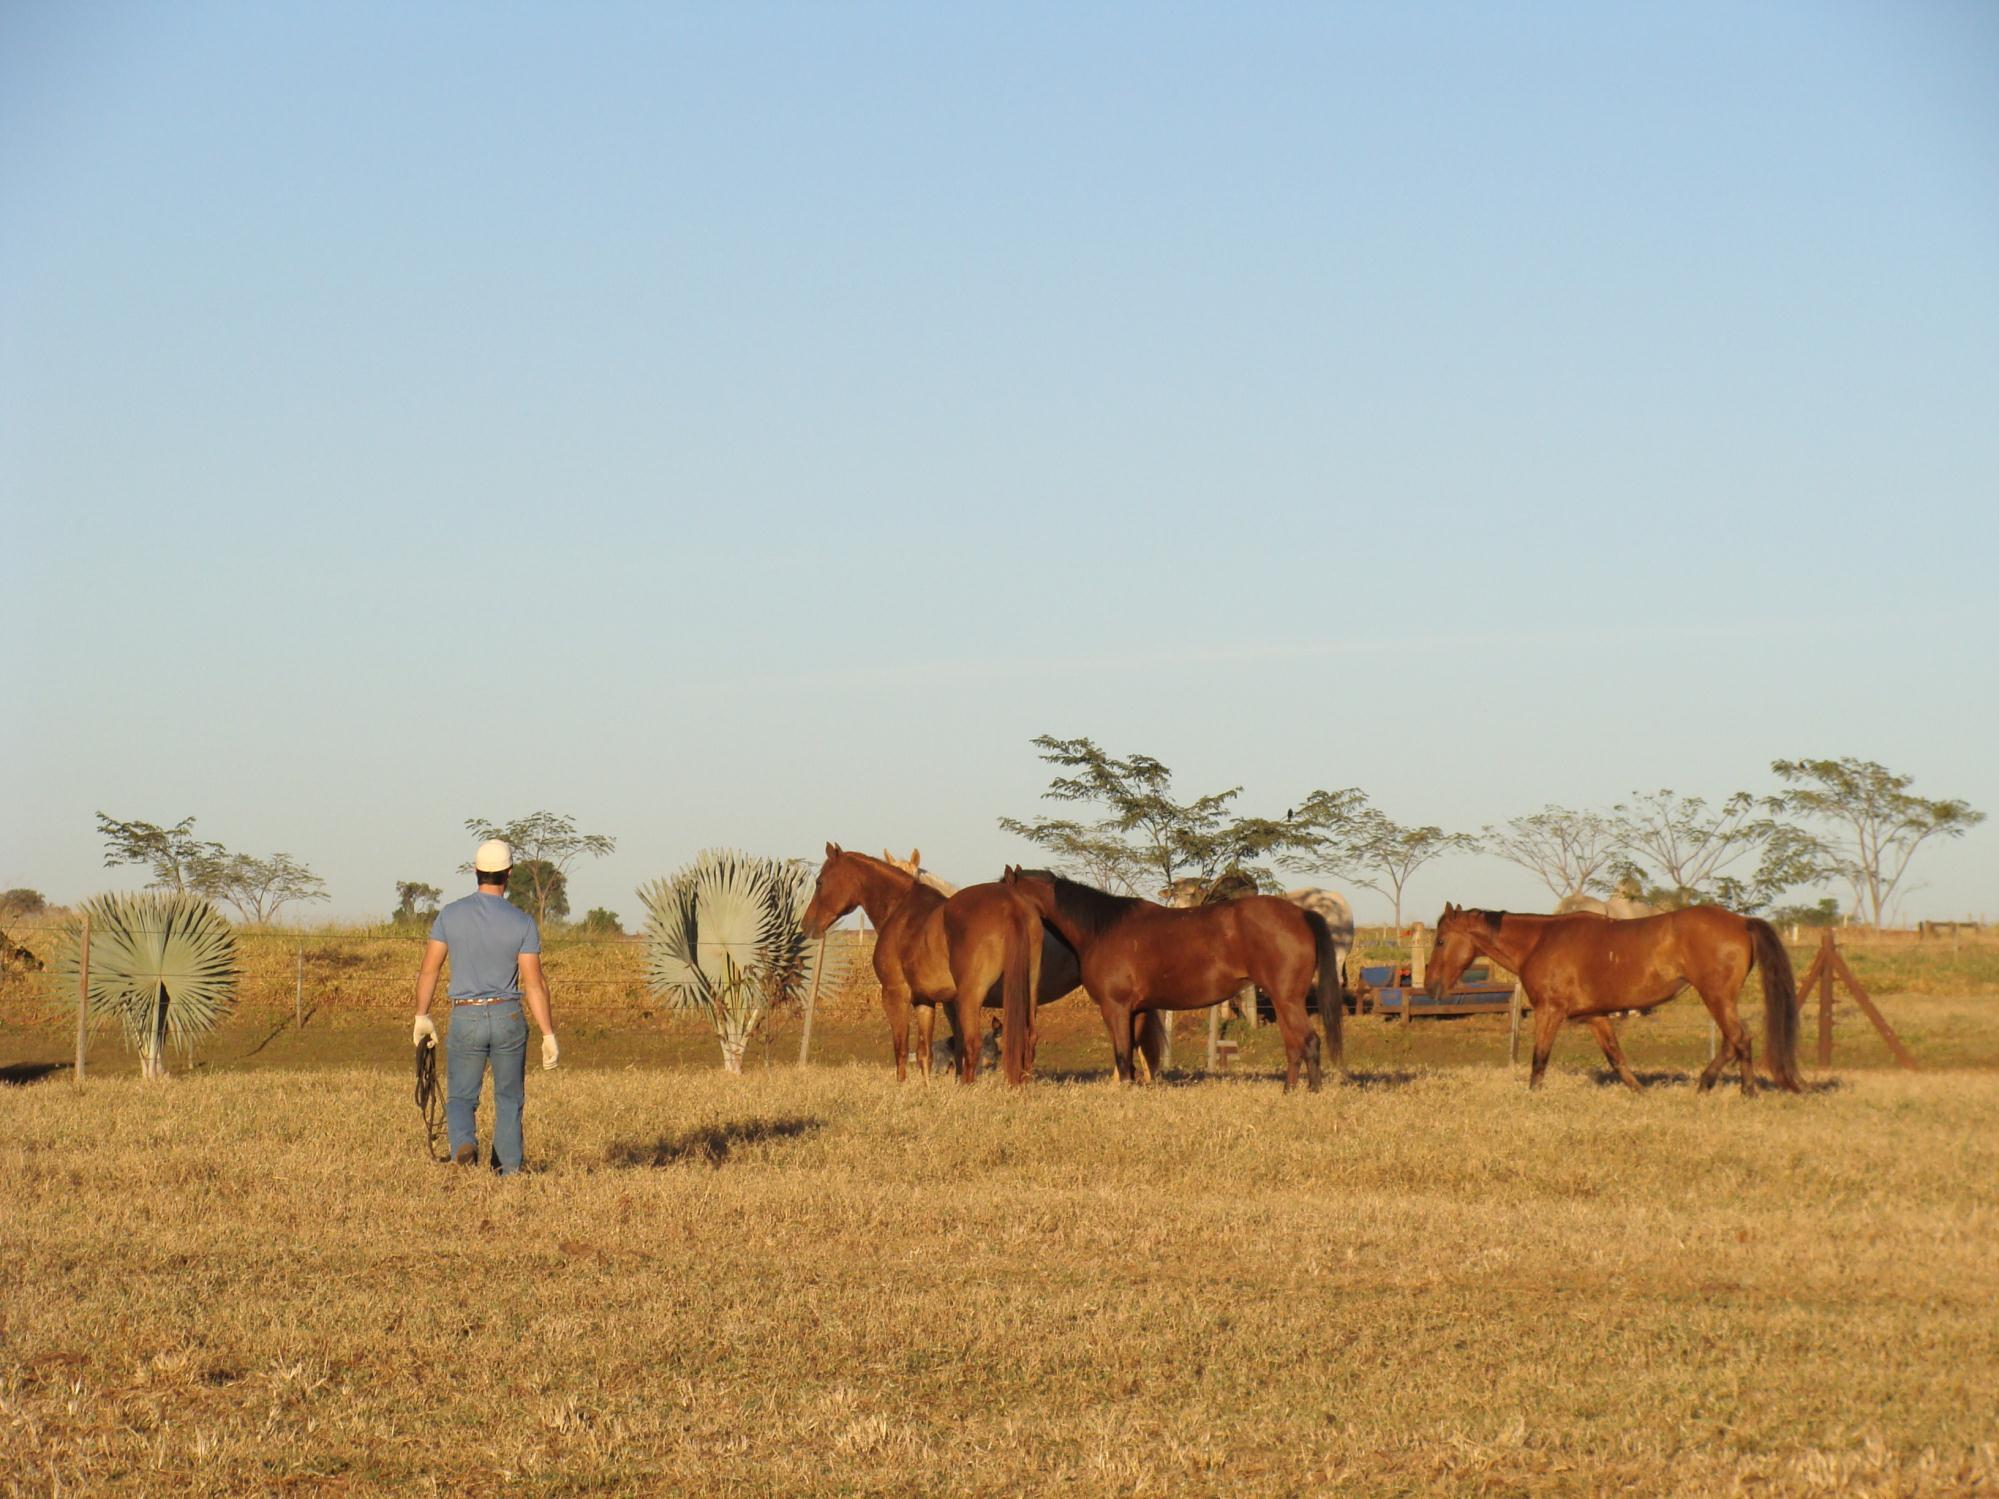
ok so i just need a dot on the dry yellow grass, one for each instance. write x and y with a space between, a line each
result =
797 1282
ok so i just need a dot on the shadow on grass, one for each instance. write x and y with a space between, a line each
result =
1604 1078
20 1074
1367 1080
713 1143
279 1030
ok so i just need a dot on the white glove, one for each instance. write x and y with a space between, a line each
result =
549 1050
426 1030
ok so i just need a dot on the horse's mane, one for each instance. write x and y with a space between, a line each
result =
1092 910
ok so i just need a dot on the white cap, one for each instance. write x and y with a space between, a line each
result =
493 857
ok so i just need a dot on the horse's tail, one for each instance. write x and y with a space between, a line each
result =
1023 947
1331 1002
1780 1004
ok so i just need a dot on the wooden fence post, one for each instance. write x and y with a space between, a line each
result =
811 1002
82 997
1824 966
1513 1024
1214 1032
298 993
1860 997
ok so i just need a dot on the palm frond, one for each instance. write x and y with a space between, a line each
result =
162 961
723 936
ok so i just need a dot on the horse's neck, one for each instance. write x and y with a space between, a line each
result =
1512 944
883 888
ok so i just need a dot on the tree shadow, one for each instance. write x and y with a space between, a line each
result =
20 1074
1377 1080
713 1143
1603 1077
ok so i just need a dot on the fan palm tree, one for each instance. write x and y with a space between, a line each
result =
723 936
162 961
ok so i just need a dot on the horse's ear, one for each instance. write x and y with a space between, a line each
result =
1009 875
916 858
832 849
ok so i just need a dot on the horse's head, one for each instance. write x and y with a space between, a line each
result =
1454 948
912 865
836 892
1033 886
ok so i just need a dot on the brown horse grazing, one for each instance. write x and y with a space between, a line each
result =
1590 967
1139 956
933 949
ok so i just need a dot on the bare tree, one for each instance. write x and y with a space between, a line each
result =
1568 851
1879 822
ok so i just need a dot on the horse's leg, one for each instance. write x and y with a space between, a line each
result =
1294 1028
1117 1020
1548 1019
965 1015
1734 1037
926 1037
1606 1037
1722 1008
1149 1037
895 1003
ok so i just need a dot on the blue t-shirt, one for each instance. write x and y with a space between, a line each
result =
487 935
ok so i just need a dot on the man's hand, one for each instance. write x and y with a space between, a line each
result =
549 1050
426 1030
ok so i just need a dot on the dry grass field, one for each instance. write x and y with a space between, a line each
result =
1424 1279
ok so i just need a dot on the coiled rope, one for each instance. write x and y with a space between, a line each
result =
429 1097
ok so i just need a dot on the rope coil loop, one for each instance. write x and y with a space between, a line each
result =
429 1097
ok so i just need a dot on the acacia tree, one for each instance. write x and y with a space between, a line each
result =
1568 851
178 860
1686 850
1360 842
1146 838
181 862
545 844
260 888
1877 821
415 900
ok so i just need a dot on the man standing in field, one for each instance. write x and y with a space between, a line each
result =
495 951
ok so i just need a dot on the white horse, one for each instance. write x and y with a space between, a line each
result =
1617 908
914 865
1337 912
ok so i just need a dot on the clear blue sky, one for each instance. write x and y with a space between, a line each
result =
751 424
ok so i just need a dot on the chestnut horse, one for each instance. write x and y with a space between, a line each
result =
1139 956
933 949
1060 974
1590 967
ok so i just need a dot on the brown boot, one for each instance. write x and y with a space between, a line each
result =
468 1155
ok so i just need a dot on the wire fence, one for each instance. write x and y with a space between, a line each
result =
377 968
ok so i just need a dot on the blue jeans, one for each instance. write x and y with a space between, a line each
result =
481 1033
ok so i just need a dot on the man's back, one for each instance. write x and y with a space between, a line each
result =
487 934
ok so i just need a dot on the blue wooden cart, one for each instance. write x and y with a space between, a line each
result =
1477 993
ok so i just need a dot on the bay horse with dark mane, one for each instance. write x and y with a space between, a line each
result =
1590 967
1140 956
979 944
